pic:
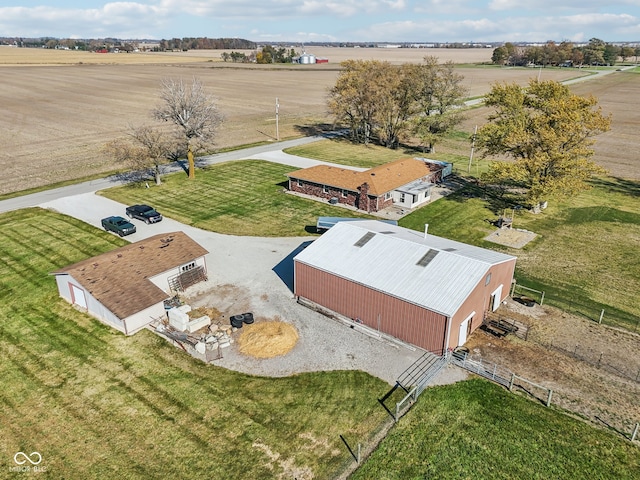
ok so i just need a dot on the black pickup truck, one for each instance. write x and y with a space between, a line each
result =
118 225
143 212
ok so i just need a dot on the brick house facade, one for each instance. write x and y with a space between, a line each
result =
406 182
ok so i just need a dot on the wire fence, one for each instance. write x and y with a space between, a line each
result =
545 395
357 450
598 360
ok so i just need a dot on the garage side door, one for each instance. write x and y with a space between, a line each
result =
78 296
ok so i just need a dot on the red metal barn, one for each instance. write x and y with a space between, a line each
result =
425 290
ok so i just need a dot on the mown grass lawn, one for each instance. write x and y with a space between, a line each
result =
585 257
478 430
344 152
98 405
243 197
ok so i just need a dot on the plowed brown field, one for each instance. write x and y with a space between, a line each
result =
61 107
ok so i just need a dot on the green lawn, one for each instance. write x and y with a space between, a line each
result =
344 152
97 404
585 257
477 430
244 197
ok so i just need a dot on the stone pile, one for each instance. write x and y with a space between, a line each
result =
218 336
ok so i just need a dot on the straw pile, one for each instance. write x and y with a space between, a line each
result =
267 339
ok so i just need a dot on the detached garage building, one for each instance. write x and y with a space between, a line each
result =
126 287
425 290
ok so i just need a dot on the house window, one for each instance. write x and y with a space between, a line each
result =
188 266
488 279
344 193
325 189
387 195
402 198
298 182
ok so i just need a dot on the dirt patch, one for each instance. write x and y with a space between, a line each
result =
590 367
511 237
267 339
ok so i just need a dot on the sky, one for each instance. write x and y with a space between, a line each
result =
392 21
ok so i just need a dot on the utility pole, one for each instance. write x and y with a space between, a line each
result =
473 144
277 126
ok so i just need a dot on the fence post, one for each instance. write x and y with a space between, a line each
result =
601 315
635 432
513 377
359 449
542 299
600 359
549 397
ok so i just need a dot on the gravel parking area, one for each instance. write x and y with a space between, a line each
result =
252 274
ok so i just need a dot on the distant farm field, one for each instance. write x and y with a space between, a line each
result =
61 107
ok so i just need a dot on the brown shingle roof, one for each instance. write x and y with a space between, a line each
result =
381 179
119 279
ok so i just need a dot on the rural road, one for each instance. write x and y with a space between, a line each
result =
269 150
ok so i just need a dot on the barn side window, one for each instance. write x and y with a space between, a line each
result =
488 279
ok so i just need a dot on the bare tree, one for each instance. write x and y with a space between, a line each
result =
193 111
147 148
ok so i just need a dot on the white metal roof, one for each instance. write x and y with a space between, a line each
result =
388 260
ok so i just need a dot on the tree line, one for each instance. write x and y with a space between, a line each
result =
110 44
595 52
386 103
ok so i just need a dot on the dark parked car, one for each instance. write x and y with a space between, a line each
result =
144 212
118 225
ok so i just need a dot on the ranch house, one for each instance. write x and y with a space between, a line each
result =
405 183
126 287
422 289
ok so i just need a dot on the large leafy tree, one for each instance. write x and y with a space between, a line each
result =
548 131
353 99
439 95
395 102
192 111
378 100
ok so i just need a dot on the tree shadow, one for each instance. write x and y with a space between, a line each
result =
133 176
618 185
496 199
318 129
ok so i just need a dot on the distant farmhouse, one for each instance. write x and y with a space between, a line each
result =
126 287
406 183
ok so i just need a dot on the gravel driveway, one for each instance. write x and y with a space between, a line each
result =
255 274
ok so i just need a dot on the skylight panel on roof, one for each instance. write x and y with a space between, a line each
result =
427 257
365 238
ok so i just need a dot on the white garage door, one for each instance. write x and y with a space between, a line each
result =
464 329
78 296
